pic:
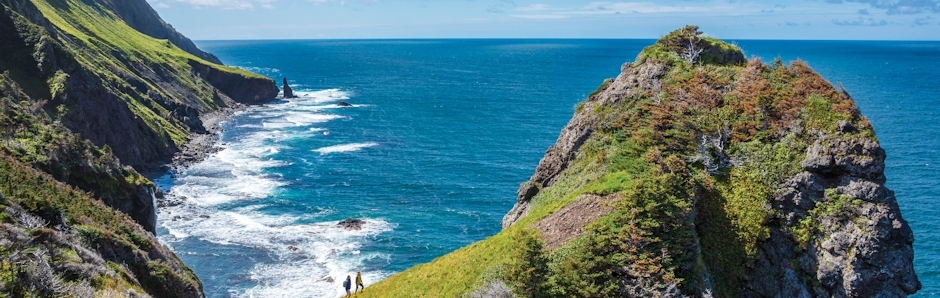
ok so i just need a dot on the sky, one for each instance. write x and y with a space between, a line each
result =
728 19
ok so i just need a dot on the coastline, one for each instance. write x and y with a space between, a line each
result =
198 146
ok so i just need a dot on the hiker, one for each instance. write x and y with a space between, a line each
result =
347 284
359 281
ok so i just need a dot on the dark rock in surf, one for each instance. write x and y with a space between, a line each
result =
343 104
288 92
351 224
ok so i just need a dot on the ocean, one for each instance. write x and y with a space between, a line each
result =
440 134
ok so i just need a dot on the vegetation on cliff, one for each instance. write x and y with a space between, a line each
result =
722 176
112 84
87 90
60 241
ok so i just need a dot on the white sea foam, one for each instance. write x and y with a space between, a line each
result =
322 96
345 148
306 251
306 119
305 255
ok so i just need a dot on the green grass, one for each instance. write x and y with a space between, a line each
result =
104 44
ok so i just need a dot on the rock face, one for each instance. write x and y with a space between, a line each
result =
241 89
863 249
288 92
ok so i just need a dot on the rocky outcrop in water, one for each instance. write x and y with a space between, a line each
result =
351 224
288 92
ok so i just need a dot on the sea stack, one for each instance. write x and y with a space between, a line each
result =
288 93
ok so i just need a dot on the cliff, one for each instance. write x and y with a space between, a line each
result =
697 173
114 85
59 241
93 90
87 68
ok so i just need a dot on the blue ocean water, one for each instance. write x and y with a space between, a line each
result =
440 134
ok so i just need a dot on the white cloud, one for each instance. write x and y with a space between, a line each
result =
647 7
534 7
223 4
541 16
542 11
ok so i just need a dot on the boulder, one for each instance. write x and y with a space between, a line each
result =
351 224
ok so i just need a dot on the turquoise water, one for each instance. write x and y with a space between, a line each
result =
440 134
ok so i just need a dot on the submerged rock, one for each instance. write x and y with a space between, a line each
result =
351 224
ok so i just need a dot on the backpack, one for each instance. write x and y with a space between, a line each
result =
346 283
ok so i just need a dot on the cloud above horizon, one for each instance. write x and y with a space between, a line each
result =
223 4
861 22
899 6
545 11
760 19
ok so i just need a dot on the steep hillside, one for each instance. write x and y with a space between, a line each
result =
695 172
114 85
56 240
87 93
88 70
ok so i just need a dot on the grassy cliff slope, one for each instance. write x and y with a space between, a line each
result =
694 173
87 92
114 85
86 69
59 241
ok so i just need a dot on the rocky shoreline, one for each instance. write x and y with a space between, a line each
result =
198 146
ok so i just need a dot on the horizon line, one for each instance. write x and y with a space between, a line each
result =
545 38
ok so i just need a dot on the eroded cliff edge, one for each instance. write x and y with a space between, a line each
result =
697 172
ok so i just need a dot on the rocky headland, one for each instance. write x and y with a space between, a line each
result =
698 173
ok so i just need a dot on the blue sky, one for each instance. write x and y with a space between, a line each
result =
731 19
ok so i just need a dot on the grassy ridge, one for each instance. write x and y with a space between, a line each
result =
104 38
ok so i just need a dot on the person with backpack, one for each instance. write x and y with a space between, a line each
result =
347 284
